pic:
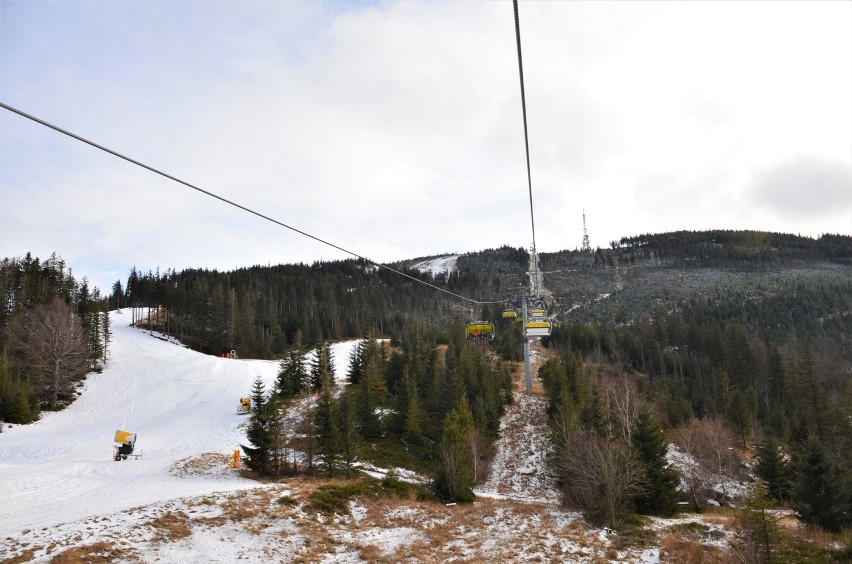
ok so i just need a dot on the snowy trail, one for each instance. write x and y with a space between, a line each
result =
179 402
519 469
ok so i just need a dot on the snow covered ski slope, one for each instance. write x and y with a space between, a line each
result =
180 403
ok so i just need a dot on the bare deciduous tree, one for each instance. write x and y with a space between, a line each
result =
479 448
53 344
601 475
711 460
623 398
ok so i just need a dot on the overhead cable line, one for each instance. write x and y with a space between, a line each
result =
526 137
236 205
534 281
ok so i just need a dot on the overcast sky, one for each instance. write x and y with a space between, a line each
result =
394 129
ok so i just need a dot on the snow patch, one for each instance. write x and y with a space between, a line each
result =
442 265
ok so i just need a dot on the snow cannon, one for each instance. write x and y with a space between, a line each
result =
125 441
245 406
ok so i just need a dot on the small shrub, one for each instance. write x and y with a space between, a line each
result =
632 532
334 498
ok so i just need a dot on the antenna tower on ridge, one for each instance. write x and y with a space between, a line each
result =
586 247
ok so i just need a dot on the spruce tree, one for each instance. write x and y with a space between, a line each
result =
259 456
350 435
741 410
327 431
292 375
819 492
258 395
356 366
322 367
457 478
773 469
593 416
413 426
660 496
365 408
374 364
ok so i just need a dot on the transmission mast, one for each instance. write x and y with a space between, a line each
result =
586 247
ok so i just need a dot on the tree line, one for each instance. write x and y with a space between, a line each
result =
263 311
748 250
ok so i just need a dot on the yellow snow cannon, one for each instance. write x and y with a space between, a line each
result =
245 406
124 443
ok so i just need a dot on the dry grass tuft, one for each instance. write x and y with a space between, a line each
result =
25 556
372 553
170 527
240 509
818 537
200 465
720 516
97 553
677 546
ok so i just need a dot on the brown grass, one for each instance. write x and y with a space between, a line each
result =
372 553
719 516
170 527
677 547
25 556
97 553
816 536
199 465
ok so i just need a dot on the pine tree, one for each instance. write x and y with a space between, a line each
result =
773 470
374 364
457 478
809 397
259 434
327 431
451 389
593 415
660 496
413 425
322 368
365 408
292 375
258 395
350 435
819 493
356 367
741 411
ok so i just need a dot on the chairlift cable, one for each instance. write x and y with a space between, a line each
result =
232 203
526 135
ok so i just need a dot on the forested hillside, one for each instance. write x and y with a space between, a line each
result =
732 342
53 331
261 312
743 335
